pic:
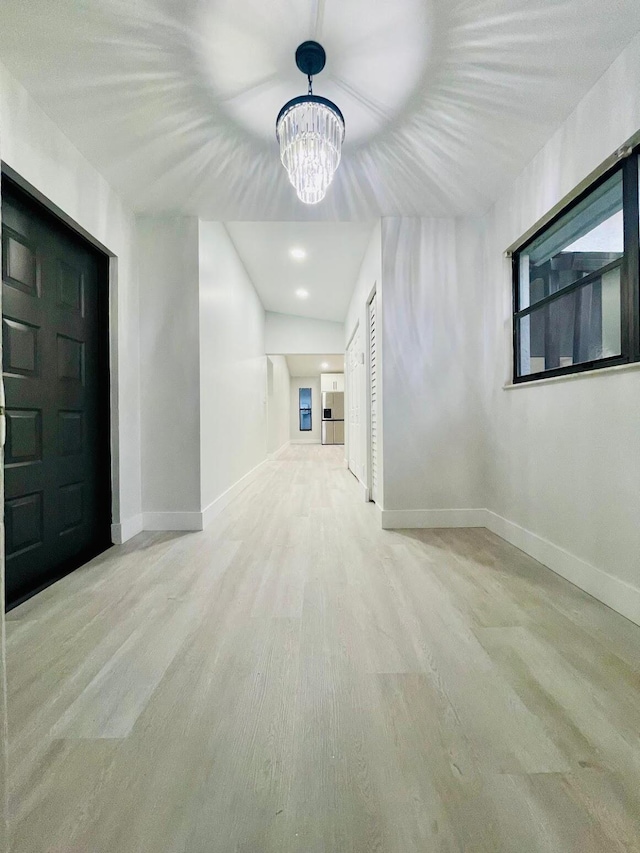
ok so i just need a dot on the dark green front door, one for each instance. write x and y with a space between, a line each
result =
55 366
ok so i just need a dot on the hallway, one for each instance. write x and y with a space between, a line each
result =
297 679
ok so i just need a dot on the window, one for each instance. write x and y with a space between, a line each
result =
304 405
576 283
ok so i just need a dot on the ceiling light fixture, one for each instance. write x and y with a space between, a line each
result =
324 365
310 131
301 293
298 254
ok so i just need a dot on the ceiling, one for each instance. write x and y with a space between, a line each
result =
174 101
311 365
328 273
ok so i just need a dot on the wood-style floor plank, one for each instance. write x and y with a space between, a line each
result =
297 680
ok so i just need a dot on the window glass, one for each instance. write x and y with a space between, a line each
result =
580 326
588 238
304 405
305 420
305 398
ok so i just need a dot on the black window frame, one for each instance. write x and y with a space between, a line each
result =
629 277
304 410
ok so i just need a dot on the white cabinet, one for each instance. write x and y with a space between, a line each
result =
331 382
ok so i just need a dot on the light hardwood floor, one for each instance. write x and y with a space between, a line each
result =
297 679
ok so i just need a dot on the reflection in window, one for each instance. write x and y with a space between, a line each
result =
581 326
569 286
588 238
304 406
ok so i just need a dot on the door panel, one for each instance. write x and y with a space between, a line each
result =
55 366
327 432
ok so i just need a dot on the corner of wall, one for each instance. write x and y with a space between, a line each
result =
233 369
610 590
127 529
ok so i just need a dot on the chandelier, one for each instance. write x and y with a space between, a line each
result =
310 131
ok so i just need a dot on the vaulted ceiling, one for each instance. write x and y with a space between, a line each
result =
313 365
174 101
320 281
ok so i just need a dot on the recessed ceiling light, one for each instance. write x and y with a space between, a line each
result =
298 254
301 293
324 365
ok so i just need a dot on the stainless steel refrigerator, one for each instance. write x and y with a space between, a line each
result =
333 417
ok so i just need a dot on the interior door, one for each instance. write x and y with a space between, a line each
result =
55 369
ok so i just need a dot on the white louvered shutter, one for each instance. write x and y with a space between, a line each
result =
373 386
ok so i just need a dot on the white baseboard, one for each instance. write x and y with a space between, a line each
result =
615 593
126 529
305 441
279 451
172 520
215 507
397 519
195 521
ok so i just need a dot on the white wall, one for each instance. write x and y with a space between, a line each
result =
233 379
315 435
278 403
286 334
566 454
370 275
554 467
204 391
170 371
432 343
37 150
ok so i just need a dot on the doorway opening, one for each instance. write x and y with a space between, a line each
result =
305 400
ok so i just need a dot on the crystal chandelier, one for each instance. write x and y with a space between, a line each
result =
310 131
